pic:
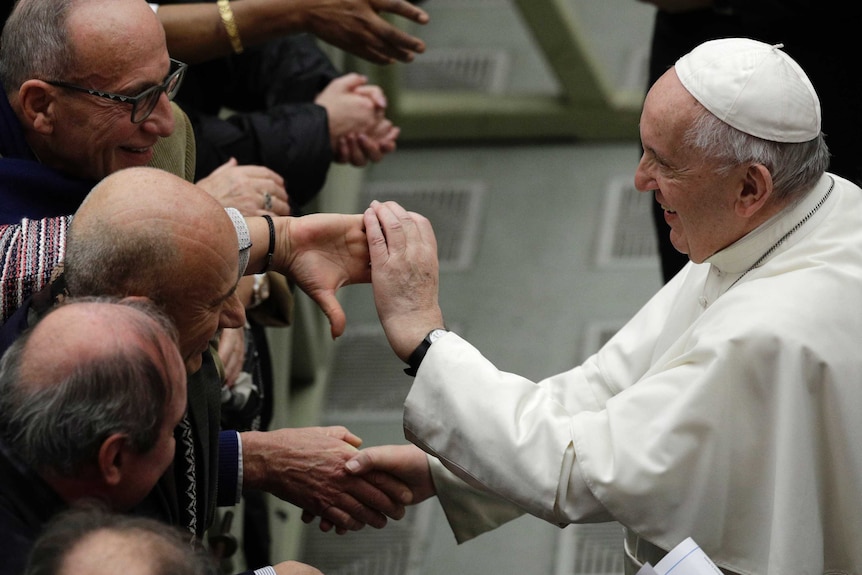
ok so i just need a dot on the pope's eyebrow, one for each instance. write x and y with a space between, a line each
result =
658 158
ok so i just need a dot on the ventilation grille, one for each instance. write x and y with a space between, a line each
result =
627 235
367 377
452 207
591 549
459 69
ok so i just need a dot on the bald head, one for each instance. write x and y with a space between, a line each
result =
90 540
132 550
107 35
54 39
86 370
145 232
52 355
140 232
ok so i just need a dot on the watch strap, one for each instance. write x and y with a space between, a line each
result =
415 359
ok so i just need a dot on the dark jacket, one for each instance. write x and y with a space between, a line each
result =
27 503
270 90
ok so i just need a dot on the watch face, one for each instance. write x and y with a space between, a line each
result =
436 334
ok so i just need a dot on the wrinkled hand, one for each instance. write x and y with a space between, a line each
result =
245 188
404 274
231 351
295 568
306 467
408 463
357 27
321 253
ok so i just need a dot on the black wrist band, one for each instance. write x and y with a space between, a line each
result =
418 354
268 261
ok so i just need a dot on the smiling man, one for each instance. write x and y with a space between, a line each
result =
729 408
87 85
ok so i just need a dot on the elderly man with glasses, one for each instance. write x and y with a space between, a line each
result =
89 105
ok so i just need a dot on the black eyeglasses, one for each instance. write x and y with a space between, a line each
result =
144 103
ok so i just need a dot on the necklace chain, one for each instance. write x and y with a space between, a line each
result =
789 233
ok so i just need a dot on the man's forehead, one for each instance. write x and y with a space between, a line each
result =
108 36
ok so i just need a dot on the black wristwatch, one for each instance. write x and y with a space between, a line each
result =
418 354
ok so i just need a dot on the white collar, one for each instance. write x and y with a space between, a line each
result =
743 254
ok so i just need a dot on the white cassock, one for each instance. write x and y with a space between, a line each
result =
730 413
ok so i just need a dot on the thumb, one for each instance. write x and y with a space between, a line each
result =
327 301
350 82
360 463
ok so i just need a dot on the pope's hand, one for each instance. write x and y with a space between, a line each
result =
404 274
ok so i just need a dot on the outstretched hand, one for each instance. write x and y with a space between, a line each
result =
405 276
357 26
321 253
306 467
407 463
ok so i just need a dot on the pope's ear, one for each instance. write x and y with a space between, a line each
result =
36 101
112 456
756 190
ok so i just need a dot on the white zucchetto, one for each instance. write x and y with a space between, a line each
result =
755 87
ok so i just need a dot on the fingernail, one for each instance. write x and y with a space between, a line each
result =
352 465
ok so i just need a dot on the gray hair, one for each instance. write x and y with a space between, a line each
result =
166 546
35 43
59 425
104 260
795 167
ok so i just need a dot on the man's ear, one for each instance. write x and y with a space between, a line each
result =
36 101
756 191
112 457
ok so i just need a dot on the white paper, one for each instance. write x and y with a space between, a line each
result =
646 570
687 558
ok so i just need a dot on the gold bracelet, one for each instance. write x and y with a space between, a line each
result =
230 25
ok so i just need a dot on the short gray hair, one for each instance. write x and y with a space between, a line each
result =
795 167
59 425
35 43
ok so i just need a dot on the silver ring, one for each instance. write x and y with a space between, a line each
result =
267 201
